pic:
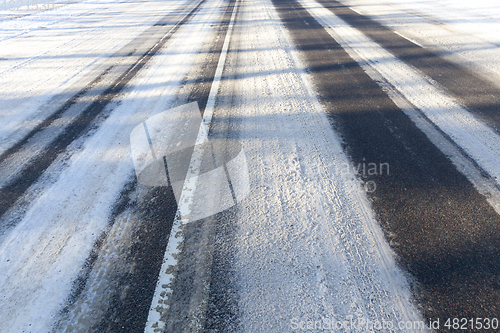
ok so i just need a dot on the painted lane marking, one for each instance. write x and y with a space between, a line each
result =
355 10
159 306
409 39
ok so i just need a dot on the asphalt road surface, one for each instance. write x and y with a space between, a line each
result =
254 166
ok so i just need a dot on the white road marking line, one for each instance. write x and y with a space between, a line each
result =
409 39
397 33
159 305
355 10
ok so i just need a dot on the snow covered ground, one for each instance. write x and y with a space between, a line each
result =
308 244
309 248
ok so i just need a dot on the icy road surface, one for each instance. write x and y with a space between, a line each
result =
357 188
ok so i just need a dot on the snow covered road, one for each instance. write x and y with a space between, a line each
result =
371 133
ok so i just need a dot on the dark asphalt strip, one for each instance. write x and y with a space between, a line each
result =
126 297
223 312
476 94
131 293
151 215
443 232
206 258
10 193
222 309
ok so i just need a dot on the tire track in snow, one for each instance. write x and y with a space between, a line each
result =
71 213
307 245
26 161
444 232
125 290
160 305
478 95
63 59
